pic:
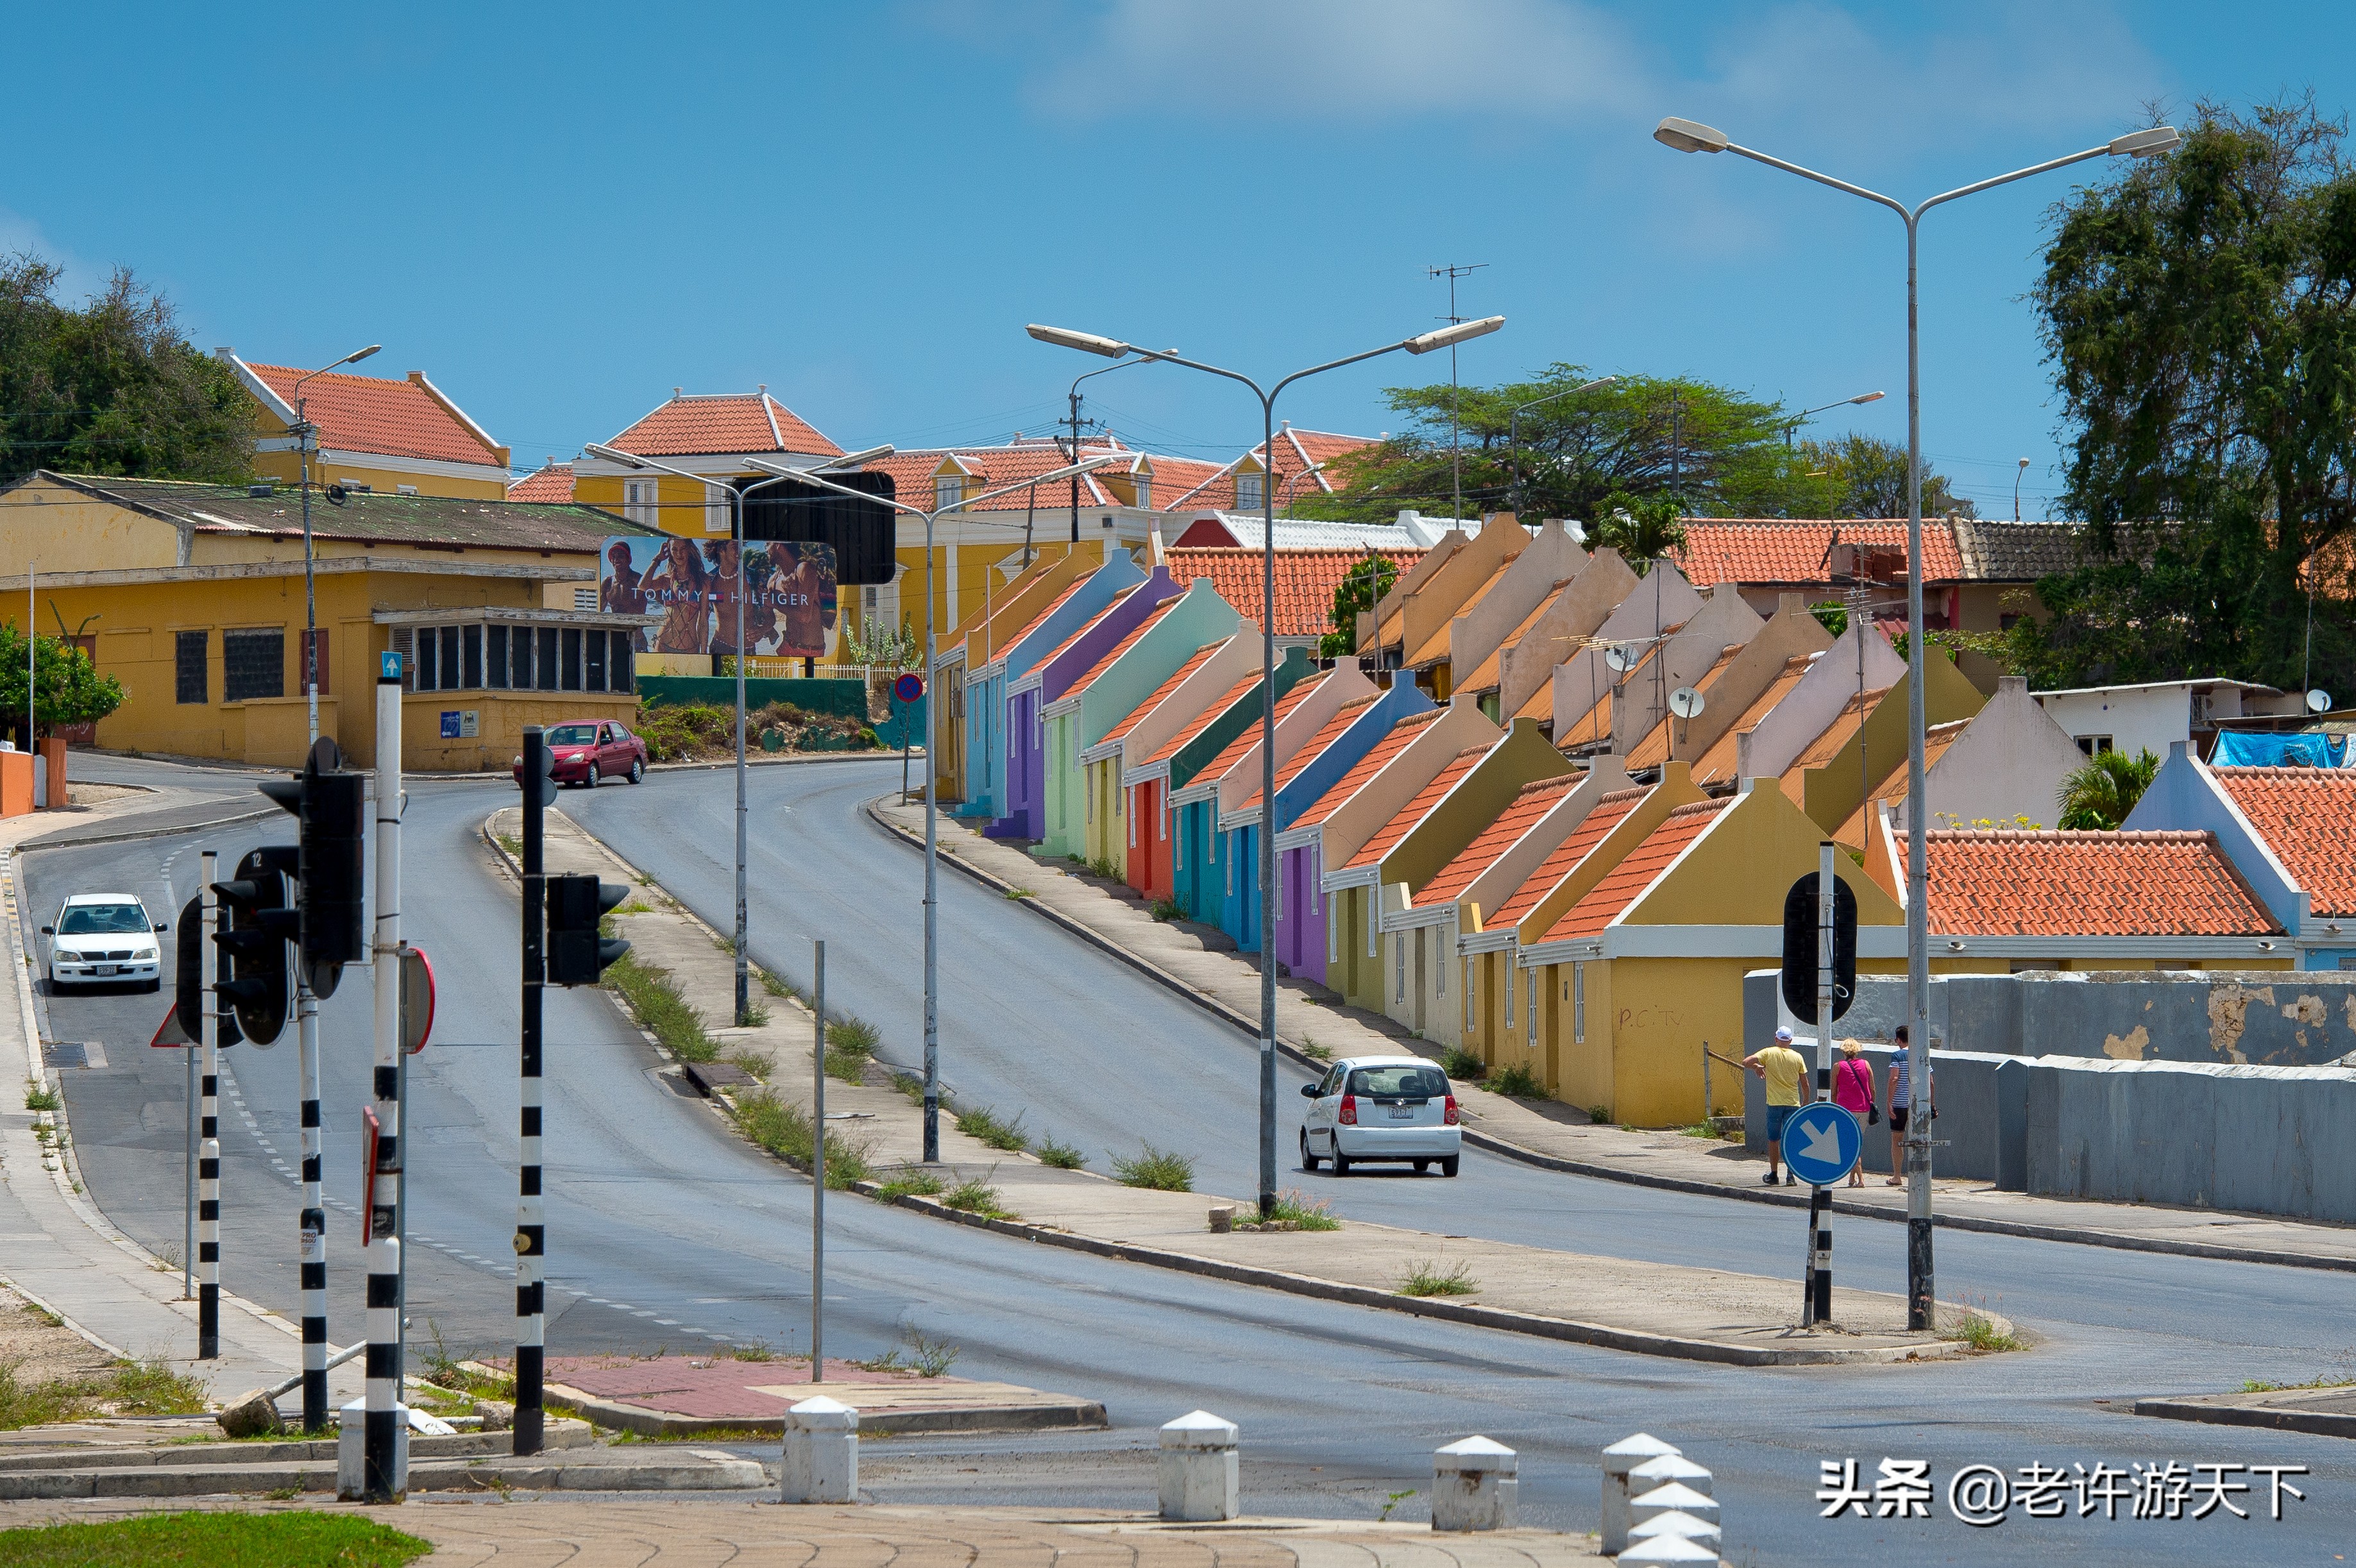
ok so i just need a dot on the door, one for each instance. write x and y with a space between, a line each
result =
1319 1122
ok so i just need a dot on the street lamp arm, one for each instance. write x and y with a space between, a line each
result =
2046 167
1805 173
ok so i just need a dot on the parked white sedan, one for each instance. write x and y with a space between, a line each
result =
103 939
1394 1108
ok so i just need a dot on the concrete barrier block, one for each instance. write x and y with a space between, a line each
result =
2012 1126
1675 1497
1618 1460
1669 1549
822 1453
351 1443
1679 1523
1475 1485
1198 1473
1665 1469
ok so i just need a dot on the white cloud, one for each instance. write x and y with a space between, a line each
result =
79 278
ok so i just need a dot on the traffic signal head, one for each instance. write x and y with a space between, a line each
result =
258 929
577 955
536 769
188 998
332 806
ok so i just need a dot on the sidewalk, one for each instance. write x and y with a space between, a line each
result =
478 1533
1656 1310
1199 963
56 1248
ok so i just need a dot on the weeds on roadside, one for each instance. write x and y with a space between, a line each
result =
129 1388
1599 1114
1016 894
1060 1155
1102 866
909 1184
39 1096
1427 1277
512 844
1308 1214
1517 1081
1390 1501
656 1001
1463 1065
784 1129
975 1196
925 1357
753 1350
1157 1168
1976 1330
754 1016
1314 1051
1167 910
850 1042
756 1067
909 1085
775 987
981 1123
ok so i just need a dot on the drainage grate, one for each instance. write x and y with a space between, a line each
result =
64 1053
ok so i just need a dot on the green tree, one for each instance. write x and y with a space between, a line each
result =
2200 312
111 387
68 688
2100 792
1865 476
1641 527
1361 588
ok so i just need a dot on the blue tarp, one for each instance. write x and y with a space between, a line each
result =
2236 749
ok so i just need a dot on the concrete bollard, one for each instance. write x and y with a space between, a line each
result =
1667 1467
1618 1460
1474 1484
351 1458
1669 1549
821 1458
1677 1521
1675 1497
1199 1478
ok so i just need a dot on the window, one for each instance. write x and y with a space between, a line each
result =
949 490
544 676
584 599
1250 492
2094 745
1530 1033
427 665
2201 710
1471 1021
1509 991
622 671
1145 492
594 647
641 501
105 919
1398 946
716 499
1579 1002
495 662
451 678
1399 1082
2348 961
568 671
471 639
254 664
191 682
1440 969
573 735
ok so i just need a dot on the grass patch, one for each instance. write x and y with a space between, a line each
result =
1166 910
757 1351
1308 1214
445 1370
1517 1081
987 1126
1463 1065
1599 1114
1157 1168
1102 866
39 1096
1427 1277
850 1043
775 987
1977 1330
784 1129
925 1357
975 1196
128 1388
1017 894
909 1184
293 1538
512 844
757 1066
1314 1051
1062 1156
754 1016
656 1001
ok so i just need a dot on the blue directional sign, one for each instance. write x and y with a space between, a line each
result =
1821 1143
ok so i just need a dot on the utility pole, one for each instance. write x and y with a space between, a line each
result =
386 1474
1451 271
208 1121
531 1231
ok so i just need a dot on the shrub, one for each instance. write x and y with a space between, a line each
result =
975 1196
658 1005
1463 1065
1427 1277
1517 1081
909 1183
784 1129
1157 1168
1167 910
985 1125
1062 1156
39 1096
1308 1214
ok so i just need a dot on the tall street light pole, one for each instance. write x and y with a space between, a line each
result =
1691 136
305 439
1073 420
1796 420
932 1152
737 490
1514 429
1449 337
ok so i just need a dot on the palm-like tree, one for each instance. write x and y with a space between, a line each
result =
2100 792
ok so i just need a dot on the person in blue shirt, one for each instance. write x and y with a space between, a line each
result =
1901 1101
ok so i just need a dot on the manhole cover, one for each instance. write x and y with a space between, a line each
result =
64 1053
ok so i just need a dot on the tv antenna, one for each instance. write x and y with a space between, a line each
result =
1451 271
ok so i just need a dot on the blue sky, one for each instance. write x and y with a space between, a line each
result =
559 213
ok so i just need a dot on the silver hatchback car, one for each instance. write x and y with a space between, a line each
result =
1393 1108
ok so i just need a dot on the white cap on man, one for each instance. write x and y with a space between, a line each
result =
1783 1037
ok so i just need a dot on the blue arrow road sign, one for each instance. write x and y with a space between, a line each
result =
1821 1143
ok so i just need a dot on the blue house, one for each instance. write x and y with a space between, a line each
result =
997 762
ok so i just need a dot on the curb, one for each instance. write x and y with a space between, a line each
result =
1490 1142
694 1472
1072 1415
89 840
2276 1418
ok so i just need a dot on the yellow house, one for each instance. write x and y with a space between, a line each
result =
372 433
192 595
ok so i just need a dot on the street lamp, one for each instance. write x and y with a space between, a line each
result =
737 491
1514 431
302 442
1691 136
1448 337
932 1151
1796 420
2016 475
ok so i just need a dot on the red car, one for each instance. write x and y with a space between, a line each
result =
590 751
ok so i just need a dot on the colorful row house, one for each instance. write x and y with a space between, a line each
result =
1171 765
1136 831
1003 701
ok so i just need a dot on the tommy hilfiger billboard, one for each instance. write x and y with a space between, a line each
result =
789 594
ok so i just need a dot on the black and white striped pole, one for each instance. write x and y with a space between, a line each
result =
209 1121
818 1167
531 1229
314 1219
1818 1306
384 1477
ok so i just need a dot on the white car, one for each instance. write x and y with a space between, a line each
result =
103 939
1396 1108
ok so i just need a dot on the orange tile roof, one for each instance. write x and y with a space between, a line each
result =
1136 716
1294 766
1540 707
2308 818
1387 838
1489 673
2011 883
1220 704
1296 452
1153 618
1719 763
1771 550
913 474
1531 802
1609 812
376 413
553 482
716 424
1654 749
1435 646
1305 581
1625 882
1354 777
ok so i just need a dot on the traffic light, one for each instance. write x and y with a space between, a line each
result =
577 955
332 806
536 771
260 924
190 1003
1799 978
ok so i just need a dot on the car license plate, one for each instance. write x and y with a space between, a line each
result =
106 969
1402 1113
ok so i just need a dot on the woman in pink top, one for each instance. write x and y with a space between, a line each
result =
1853 1092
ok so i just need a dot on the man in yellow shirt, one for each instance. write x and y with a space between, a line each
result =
1783 1068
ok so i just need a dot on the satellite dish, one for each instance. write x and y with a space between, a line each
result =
1685 702
1619 656
2319 702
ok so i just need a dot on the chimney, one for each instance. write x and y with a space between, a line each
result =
224 354
678 392
2012 686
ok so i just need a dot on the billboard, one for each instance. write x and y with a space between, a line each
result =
789 594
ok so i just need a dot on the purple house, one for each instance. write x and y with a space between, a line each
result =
1026 758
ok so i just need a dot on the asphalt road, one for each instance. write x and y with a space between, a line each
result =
665 1230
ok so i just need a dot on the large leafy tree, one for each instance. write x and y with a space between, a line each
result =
2199 311
110 386
68 688
1865 476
